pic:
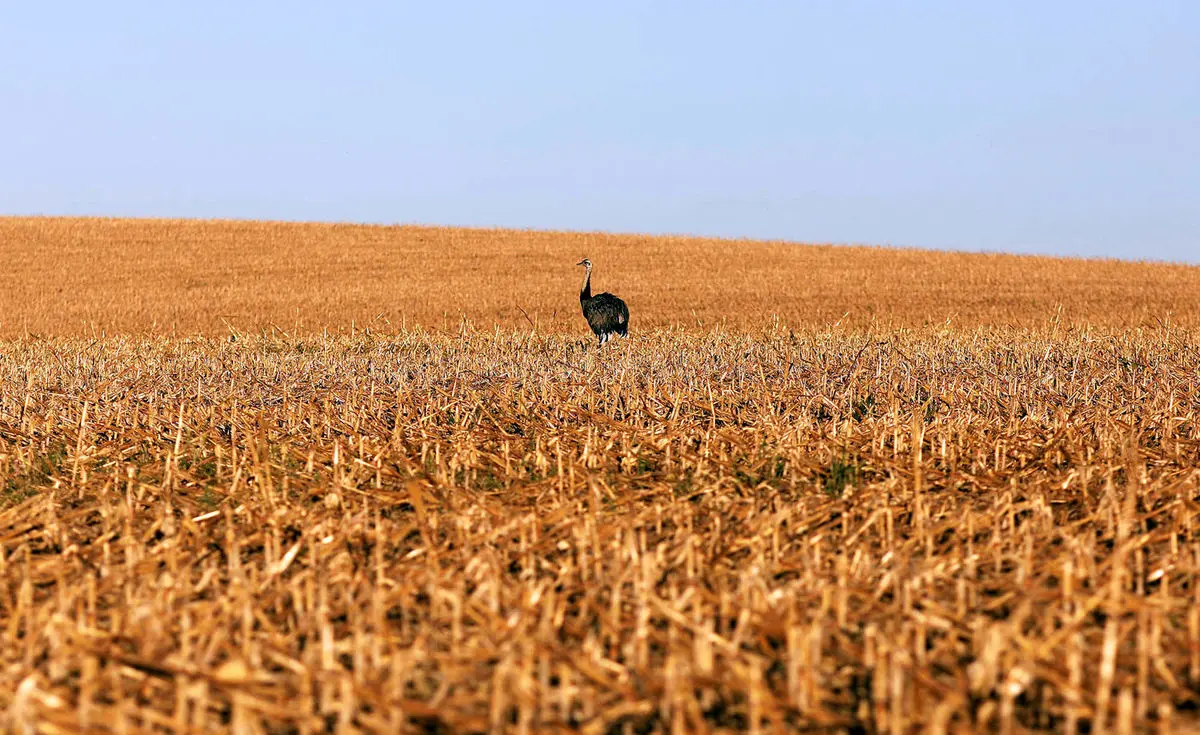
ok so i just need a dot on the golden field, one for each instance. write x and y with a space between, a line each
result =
267 478
95 276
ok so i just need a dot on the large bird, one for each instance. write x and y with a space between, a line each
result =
606 314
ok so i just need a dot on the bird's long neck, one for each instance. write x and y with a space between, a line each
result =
586 292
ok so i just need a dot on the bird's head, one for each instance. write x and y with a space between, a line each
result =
585 263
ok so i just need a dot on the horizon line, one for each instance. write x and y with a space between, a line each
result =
609 233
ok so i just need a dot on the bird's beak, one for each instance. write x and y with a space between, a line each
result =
580 262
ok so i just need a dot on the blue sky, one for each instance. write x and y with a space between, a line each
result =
1067 127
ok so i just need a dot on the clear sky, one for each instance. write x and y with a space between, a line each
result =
1062 127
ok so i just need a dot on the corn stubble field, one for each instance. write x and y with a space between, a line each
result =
819 489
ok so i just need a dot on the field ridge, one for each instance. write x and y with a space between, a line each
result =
93 276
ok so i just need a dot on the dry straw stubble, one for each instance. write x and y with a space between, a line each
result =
946 529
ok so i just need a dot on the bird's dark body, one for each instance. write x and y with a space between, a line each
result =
606 314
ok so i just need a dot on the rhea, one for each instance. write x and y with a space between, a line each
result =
606 314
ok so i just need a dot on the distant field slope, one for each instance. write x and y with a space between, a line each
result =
83 275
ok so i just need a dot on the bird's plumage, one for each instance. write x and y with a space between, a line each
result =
605 313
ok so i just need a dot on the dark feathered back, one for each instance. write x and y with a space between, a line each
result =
606 313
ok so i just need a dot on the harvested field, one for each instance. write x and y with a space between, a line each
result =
770 527
95 276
